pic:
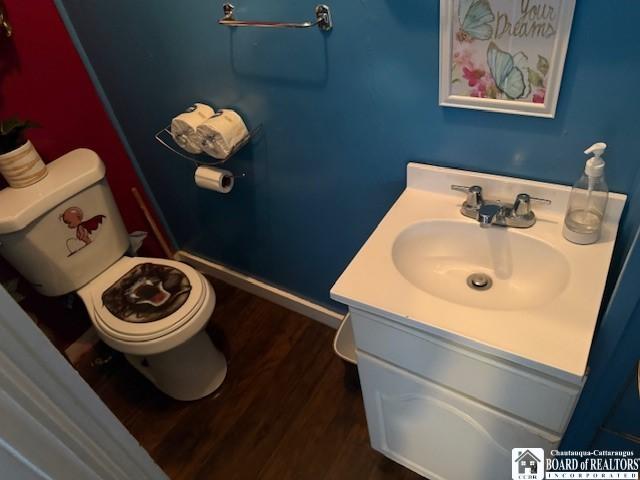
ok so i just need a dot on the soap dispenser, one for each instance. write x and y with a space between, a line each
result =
588 201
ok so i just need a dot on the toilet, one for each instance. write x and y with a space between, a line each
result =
65 234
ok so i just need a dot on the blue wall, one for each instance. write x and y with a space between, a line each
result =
614 354
341 115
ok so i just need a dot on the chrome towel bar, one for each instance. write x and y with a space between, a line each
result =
323 20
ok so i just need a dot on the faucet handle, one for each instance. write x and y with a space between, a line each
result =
474 194
522 205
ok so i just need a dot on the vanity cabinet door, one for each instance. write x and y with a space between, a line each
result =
518 391
437 432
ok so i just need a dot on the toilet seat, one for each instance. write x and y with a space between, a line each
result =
129 332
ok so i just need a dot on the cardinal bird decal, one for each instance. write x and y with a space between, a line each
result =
73 218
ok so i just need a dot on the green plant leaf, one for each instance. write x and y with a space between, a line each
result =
535 79
14 123
8 125
543 65
12 133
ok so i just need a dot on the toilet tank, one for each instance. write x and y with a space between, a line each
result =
64 230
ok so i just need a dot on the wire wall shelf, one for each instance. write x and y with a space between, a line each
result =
164 138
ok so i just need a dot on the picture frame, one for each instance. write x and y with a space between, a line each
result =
504 56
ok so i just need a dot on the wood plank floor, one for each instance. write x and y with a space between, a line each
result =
284 411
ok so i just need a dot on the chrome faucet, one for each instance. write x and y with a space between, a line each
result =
517 215
487 214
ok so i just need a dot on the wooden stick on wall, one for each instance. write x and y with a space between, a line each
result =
152 223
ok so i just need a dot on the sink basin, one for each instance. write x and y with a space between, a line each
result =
524 295
439 256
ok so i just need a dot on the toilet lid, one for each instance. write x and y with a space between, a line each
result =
139 299
147 292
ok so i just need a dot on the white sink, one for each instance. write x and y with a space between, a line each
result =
439 256
542 307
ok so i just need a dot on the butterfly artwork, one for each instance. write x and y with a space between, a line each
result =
476 20
503 56
508 72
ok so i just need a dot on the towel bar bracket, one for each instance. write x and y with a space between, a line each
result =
323 20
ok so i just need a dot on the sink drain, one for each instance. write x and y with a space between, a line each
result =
479 281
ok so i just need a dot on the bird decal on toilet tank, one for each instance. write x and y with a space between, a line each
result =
73 218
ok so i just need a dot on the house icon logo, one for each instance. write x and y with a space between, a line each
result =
527 464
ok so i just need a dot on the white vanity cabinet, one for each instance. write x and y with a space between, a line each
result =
473 341
449 412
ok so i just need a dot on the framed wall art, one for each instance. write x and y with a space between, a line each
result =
503 56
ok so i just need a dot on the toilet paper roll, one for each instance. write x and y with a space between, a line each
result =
184 126
214 179
220 135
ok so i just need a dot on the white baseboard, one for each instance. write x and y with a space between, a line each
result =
262 289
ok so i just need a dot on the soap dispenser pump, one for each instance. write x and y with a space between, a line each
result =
588 200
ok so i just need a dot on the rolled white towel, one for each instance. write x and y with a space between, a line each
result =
220 134
184 126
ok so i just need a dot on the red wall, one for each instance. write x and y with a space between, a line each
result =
43 79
